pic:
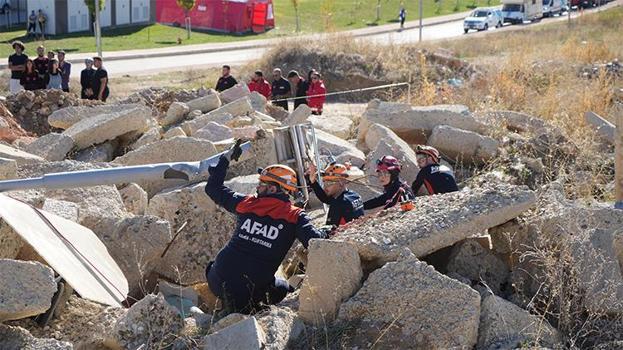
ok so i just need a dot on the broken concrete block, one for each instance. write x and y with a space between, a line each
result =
10 242
134 198
205 103
106 127
151 135
26 289
183 298
8 168
244 184
281 326
20 157
416 124
389 143
342 150
64 209
220 115
438 221
504 325
298 116
463 145
258 102
234 93
17 338
174 132
245 133
333 275
177 149
68 116
175 113
426 309
208 229
52 147
276 112
246 334
470 260
214 132
513 121
605 129
336 125
97 154
150 322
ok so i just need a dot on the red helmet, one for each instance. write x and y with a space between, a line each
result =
429 151
387 163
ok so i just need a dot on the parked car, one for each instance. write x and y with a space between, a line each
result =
483 19
552 7
518 11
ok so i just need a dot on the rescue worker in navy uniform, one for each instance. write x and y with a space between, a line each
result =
436 178
344 204
395 189
243 273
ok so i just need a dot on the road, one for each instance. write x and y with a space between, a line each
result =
236 57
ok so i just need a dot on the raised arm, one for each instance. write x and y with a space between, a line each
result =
217 191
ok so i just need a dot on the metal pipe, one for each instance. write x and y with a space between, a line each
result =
299 160
111 176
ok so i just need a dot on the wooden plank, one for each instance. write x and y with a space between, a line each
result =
72 250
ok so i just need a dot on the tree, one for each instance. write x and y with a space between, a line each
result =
187 6
91 5
96 15
295 3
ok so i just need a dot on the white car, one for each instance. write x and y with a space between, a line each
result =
483 19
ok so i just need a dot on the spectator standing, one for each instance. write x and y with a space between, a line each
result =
402 16
226 81
280 89
299 87
17 65
32 24
65 68
86 80
42 65
41 19
259 84
55 78
30 79
316 88
100 80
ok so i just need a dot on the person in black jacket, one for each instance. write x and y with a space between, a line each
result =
226 81
434 177
243 273
395 189
30 80
280 89
299 87
86 80
344 205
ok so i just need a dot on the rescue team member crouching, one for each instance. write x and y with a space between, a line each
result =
394 188
243 273
344 204
436 178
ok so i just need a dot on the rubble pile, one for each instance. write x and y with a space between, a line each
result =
456 271
611 70
32 108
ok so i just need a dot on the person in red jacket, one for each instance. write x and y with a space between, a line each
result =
316 87
259 84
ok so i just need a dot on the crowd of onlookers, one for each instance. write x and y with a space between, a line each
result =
309 90
52 71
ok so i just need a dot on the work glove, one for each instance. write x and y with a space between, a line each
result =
234 152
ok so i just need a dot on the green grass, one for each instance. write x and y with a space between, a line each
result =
315 16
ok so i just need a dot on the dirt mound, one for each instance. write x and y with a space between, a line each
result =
10 130
346 64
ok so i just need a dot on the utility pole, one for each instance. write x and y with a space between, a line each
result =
98 32
421 14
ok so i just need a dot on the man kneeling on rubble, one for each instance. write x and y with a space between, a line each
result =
344 204
243 273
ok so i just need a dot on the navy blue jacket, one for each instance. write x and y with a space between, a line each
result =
345 208
266 229
436 178
391 195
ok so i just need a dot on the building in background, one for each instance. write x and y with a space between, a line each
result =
226 16
13 14
72 16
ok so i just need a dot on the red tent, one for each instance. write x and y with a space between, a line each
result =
227 16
